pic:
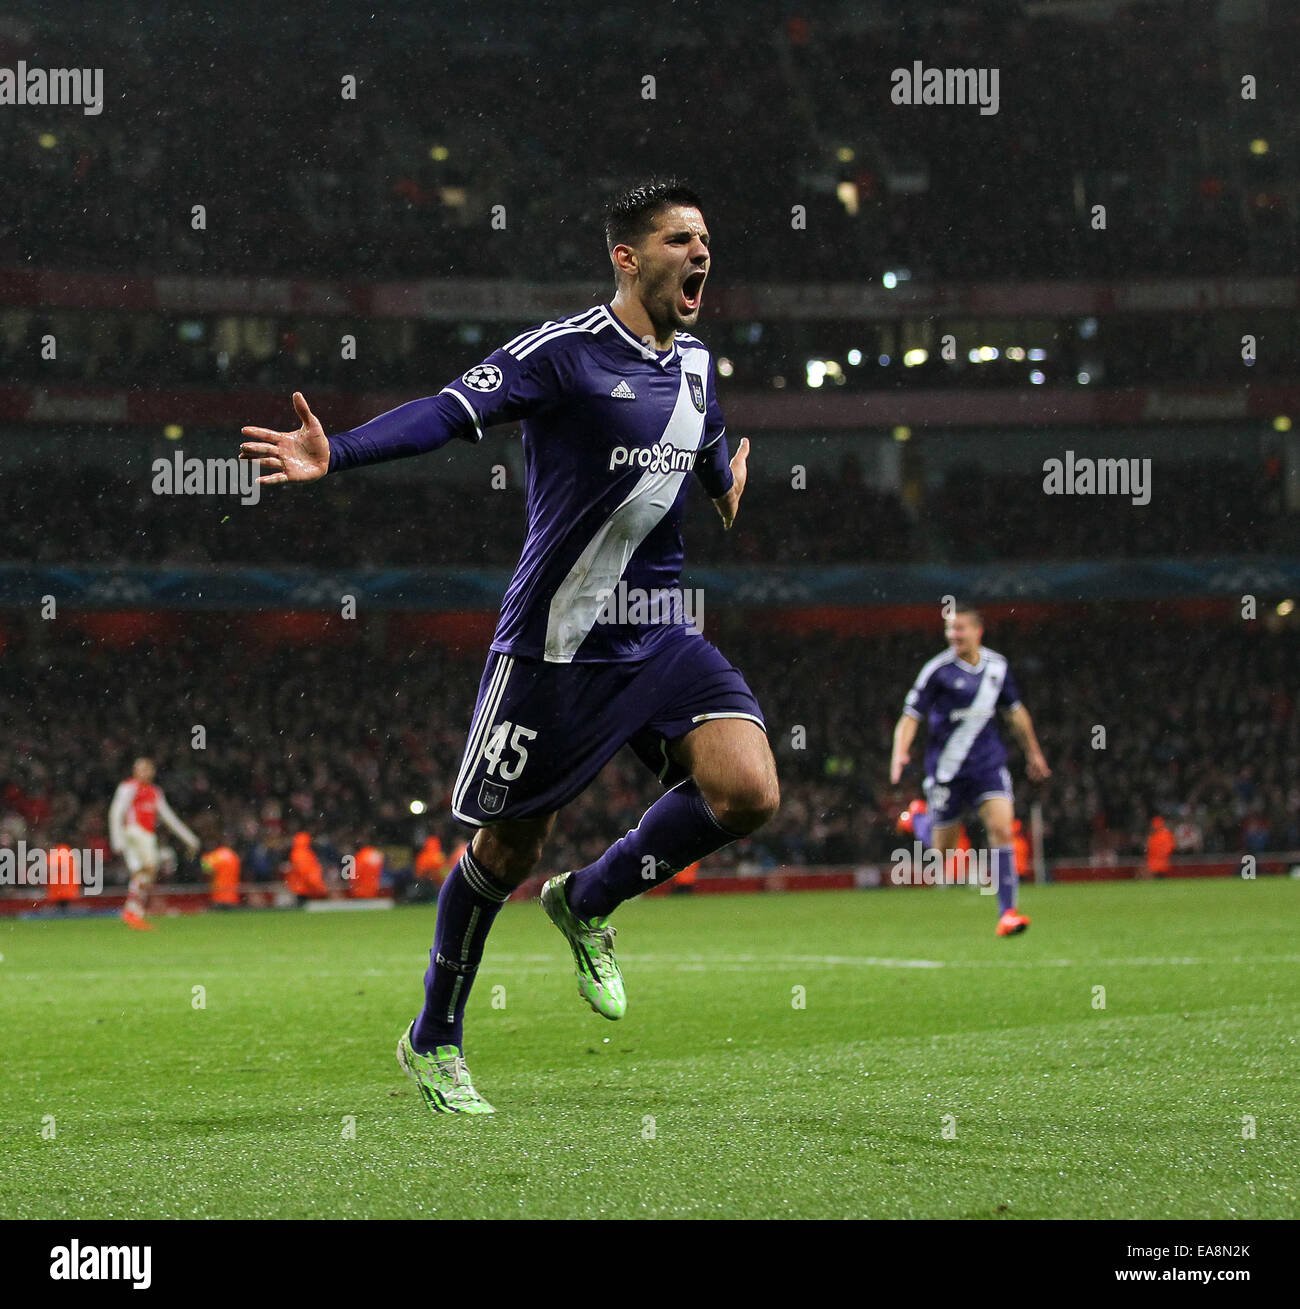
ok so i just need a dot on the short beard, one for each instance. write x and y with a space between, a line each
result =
671 321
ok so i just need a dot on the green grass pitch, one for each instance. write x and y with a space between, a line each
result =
932 1071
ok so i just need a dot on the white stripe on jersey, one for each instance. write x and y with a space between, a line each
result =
481 729
575 322
923 677
524 337
551 336
954 753
585 590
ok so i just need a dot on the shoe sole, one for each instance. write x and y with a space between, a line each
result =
550 891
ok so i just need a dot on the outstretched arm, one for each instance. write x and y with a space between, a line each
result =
1022 728
168 817
307 454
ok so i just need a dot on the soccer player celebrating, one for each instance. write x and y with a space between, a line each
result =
965 761
133 833
617 405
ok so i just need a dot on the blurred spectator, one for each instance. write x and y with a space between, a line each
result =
1160 845
222 867
364 883
304 878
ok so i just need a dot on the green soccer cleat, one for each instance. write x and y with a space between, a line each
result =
599 982
442 1078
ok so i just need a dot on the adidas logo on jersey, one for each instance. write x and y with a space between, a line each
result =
657 458
622 392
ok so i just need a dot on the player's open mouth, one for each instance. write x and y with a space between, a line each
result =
691 289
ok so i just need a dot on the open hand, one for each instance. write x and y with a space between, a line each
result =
300 456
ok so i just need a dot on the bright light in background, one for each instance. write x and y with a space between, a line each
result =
439 152
1281 423
779 382
1286 607
417 806
725 367
1016 352
974 356
902 434
1037 378
1083 379
1087 328
1259 146
1037 356
855 357
844 154
890 280
847 194
48 140
988 353
883 361
913 358
816 373
173 431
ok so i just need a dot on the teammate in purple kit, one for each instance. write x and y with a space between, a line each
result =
958 693
617 405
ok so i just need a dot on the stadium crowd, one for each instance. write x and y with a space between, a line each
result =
337 739
514 110
114 351
974 516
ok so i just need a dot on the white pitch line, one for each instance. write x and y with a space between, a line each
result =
874 961
692 963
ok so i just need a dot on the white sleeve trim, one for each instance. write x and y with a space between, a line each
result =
469 409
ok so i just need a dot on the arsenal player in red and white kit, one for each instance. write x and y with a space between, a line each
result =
133 833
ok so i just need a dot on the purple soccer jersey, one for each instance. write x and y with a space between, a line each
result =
958 701
579 667
611 428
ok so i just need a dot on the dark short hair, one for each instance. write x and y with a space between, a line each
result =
630 216
969 609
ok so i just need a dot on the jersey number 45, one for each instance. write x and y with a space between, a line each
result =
506 769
